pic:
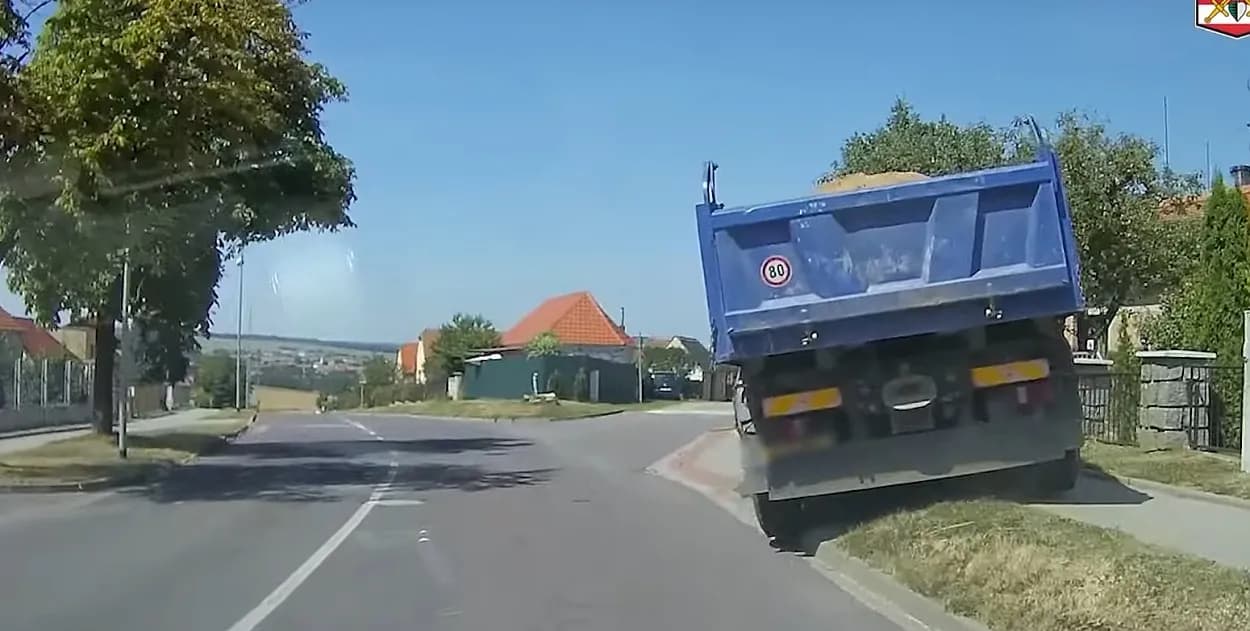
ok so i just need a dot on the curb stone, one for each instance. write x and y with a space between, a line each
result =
873 588
141 477
1171 489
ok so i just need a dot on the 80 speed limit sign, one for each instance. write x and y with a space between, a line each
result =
775 271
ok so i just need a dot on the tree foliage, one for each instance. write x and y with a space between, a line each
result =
459 338
908 143
379 370
1114 187
166 132
544 344
1204 312
215 380
665 358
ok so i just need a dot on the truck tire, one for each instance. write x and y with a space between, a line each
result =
1060 475
779 519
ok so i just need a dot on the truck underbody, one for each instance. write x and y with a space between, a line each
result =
908 410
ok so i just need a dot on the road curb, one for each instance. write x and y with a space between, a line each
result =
1170 489
886 595
585 416
143 477
873 588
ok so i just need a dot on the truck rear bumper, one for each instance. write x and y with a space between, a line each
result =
906 459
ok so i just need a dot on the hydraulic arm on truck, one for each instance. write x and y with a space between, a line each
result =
897 334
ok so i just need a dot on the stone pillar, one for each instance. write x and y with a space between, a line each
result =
1175 399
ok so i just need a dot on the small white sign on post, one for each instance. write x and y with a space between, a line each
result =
1245 392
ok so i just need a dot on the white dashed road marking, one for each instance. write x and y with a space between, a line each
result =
253 618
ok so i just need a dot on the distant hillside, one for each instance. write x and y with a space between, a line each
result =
220 339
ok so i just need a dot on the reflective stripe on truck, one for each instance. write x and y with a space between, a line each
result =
800 402
1012 372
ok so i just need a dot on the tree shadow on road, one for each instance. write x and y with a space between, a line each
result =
352 448
329 471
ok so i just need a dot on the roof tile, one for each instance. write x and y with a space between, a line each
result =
575 318
408 358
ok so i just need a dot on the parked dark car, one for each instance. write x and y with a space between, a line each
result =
666 385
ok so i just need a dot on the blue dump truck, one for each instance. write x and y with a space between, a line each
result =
897 334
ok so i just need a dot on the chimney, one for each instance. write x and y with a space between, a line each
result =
1241 175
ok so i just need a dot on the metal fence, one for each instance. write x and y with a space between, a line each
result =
1111 403
1215 420
43 392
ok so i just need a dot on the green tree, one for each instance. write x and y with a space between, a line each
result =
215 380
459 338
1205 312
379 370
1114 187
664 358
908 143
171 131
544 344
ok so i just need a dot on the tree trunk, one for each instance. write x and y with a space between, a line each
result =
105 352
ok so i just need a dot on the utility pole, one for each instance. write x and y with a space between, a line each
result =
640 368
1167 154
238 342
123 405
1207 179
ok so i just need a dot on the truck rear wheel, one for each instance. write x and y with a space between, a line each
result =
779 519
1060 475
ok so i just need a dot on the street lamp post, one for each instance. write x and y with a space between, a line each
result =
123 407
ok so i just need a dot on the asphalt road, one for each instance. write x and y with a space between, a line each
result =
369 522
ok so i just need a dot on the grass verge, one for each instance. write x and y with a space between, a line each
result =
501 408
1016 568
94 459
1196 470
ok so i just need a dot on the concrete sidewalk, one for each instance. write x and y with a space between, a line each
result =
1219 531
10 444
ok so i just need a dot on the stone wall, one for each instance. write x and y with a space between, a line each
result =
1175 399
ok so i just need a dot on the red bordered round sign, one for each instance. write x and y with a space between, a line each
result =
775 271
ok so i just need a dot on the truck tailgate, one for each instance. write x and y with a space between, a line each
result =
936 255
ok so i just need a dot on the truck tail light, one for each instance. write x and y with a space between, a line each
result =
1027 383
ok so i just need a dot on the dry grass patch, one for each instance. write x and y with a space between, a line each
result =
94 458
1197 470
1016 568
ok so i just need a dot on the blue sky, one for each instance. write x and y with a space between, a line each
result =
510 151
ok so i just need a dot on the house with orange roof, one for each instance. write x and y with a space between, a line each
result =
579 323
412 357
34 341
596 359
